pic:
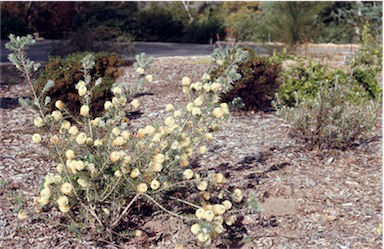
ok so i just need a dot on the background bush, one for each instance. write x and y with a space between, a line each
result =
66 73
258 83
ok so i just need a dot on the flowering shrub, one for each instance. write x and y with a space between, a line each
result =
104 168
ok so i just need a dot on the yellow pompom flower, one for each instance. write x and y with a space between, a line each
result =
81 138
209 215
155 184
195 228
202 186
116 131
115 156
64 209
157 167
57 115
207 87
73 130
188 174
142 188
198 101
169 121
22 215
208 136
63 201
80 165
219 178
227 204
202 149
118 174
98 142
36 138
177 114
43 200
189 107
216 87
117 90
39 122
224 108
219 209
82 91
217 112
169 107
149 78
135 173
66 188
196 111
196 86
230 220
200 213
84 110
206 77
140 70
46 192
108 104
237 195
72 166
218 219
203 237
219 228
65 125
59 104
126 135
149 129
119 141
186 81
135 103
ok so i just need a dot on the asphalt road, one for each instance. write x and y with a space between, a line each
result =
40 50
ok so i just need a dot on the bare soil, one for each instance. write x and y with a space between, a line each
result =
309 199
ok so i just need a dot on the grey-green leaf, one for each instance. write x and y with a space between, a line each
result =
49 85
47 100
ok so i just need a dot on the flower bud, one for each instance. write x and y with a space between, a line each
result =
59 104
82 91
36 138
142 188
84 110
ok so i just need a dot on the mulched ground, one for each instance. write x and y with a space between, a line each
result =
310 199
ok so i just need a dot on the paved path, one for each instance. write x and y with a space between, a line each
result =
40 51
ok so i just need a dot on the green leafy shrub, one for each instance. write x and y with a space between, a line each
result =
330 119
107 173
258 84
67 72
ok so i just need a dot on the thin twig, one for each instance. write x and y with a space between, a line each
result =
125 210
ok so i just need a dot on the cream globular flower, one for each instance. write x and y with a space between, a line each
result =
177 114
73 130
169 121
80 165
203 237
36 138
157 167
189 107
135 173
216 87
188 174
156 137
195 228
186 81
81 138
59 105
82 182
57 115
140 133
49 179
72 166
115 156
106 211
84 110
117 91
149 129
207 87
64 209
196 111
208 136
22 215
200 213
43 200
38 122
219 178
227 204
206 77
116 131
135 103
118 174
63 201
142 188
224 108
65 125
169 107
140 70
107 105
95 122
45 192
159 158
219 209
60 168
202 149
237 195
196 86
218 112
98 142
82 90
149 78
118 141
198 101
202 186
66 188
126 135
155 184
209 215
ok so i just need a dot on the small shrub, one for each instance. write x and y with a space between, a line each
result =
330 119
258 84
67 72
107 173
